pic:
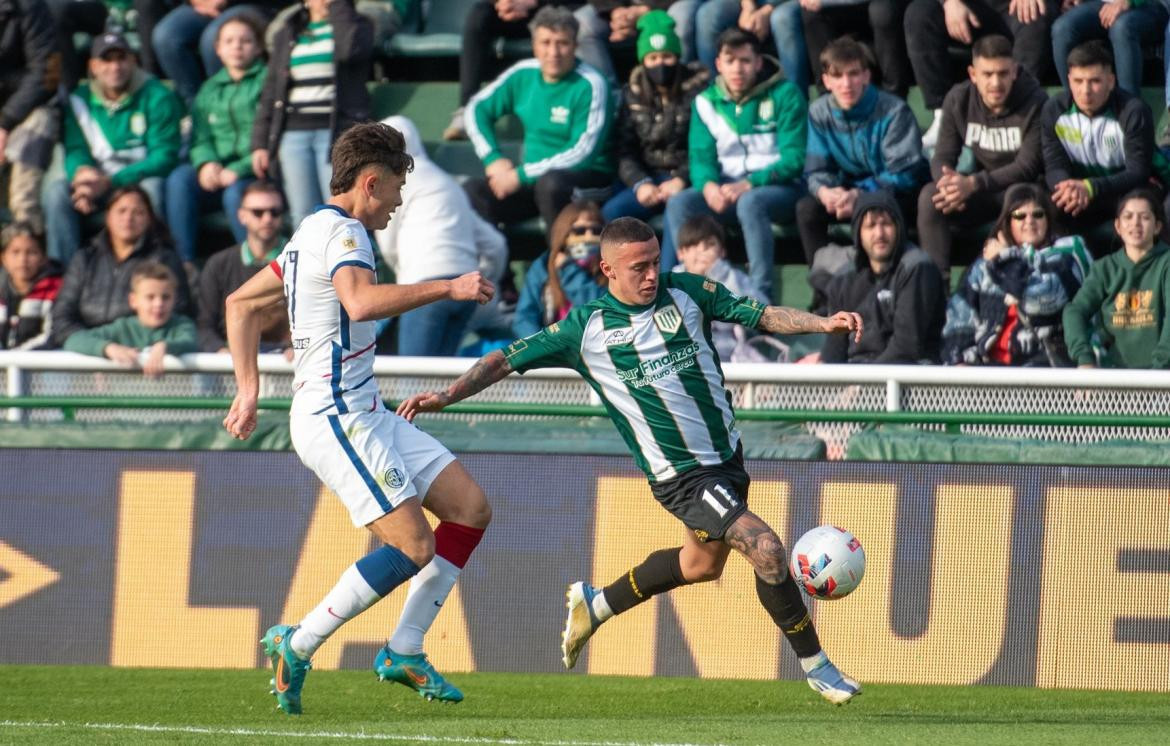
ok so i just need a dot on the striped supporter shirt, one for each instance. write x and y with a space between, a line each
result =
655 369
311 84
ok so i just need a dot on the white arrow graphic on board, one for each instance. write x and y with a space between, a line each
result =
24 575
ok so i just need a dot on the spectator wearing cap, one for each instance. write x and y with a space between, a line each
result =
653 120
134 19
121 129
609 28
29 68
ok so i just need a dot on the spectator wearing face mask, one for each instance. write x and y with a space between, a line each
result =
566 275
653 122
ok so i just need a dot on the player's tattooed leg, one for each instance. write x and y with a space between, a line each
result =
754 539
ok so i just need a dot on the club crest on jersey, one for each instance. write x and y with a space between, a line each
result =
559 115
619 337
668 319
349 243
394 478
709 286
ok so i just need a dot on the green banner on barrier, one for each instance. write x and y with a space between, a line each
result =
587 435
899 443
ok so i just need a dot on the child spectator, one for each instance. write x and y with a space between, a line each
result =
653 120
1007 310
97 279
566 275
220 164
1127 293
29 282
144 339
702 251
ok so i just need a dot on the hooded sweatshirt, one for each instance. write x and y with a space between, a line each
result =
434 233
902 308
873 145
1131 301
759 136
1006 146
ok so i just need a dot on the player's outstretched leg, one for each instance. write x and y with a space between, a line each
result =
590 607
781 598
288 669
582 620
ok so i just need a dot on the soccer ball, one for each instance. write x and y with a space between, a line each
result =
828 562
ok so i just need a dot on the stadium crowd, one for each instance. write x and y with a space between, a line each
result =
695 114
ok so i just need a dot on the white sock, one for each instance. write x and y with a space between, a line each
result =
813 661
428 590
601 608
351 596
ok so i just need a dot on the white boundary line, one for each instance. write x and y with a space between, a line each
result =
358 736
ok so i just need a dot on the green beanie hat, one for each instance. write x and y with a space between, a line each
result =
656 34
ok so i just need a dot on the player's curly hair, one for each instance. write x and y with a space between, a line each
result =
363 145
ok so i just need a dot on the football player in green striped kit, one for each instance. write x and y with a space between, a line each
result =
645 348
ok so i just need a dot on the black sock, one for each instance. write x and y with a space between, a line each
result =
786 607
658 573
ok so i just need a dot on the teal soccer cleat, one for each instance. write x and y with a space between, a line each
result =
288 669
831 684
581 622
416 672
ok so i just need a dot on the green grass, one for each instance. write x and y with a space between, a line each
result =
43 704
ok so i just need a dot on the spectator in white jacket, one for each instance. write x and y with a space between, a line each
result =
436 235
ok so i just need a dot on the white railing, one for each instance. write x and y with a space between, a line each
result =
761 386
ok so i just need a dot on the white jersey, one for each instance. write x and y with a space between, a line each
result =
334 355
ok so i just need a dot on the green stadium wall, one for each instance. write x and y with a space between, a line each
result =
977 573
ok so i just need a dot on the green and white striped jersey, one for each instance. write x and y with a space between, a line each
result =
654 367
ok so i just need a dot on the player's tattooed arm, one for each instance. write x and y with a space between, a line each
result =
784 320
487 370
752 538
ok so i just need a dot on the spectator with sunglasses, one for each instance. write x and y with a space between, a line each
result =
565 276
261 213
1008 307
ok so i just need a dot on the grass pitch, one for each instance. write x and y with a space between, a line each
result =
84 704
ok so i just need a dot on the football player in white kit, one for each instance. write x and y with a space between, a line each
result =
383 468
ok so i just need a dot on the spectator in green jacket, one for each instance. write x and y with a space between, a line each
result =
1126 292
121 128
566 108
747 142
144 339
220 164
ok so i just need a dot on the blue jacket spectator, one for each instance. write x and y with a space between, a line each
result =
565 276
860 139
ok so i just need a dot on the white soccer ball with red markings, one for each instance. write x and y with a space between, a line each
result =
828 562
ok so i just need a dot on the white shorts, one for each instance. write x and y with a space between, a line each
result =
373 461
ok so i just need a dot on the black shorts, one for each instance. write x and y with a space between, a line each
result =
707 499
